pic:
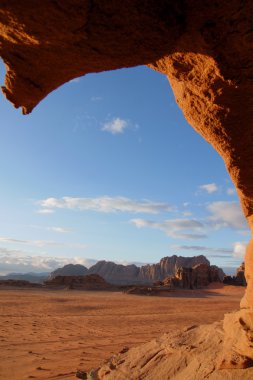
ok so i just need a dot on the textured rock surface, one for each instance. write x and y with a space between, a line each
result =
198 276
192 354
205 48
168 266
131 274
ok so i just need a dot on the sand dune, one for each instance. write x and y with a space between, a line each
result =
51 334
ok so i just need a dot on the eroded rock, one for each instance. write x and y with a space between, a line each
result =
205 48
88 282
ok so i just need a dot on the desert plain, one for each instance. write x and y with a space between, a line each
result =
50 334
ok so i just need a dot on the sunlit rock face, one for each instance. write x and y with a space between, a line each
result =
204 47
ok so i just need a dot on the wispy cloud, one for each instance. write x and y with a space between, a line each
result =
226 215
42 243
223 252
12 240
175 228
115 126
209 188
60 230
105 204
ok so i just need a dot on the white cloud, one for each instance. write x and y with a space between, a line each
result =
227 214
175 228
24 262
209 188
239 249
105 204
45 211
202 249
231 191
115 126
96 98
60 230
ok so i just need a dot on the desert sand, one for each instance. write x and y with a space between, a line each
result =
50 334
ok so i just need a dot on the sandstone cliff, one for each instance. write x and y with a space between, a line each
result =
131 274
168 266
198 276
116 273
238 279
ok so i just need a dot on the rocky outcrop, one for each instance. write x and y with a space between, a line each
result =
205 49
131 274
238 279
69 270
89 282
168 267
191 354
19 284
198 276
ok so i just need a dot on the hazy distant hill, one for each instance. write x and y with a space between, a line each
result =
31 277
131 274
116 273
69 270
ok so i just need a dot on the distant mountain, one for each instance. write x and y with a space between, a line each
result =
31 277
131 274
116 273
69 270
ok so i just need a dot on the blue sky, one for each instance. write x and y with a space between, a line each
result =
106 167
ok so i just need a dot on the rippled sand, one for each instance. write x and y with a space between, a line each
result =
50 334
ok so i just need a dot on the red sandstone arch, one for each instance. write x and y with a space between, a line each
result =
204 47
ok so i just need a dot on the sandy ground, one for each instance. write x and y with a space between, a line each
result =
50 334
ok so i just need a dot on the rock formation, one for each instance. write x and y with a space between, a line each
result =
131 274
238 279
115 273
193 354
31 277
19 284
204 47
69 270
168 266
198 276
89 282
